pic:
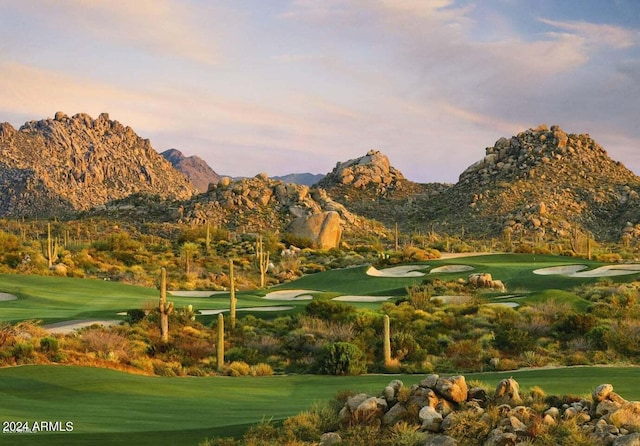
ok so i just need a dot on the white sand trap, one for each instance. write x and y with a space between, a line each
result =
451 269
563 270
503 304
67 327
452 299
603 271
195 293
347 298
275 308
397 271
610 270
7 296
291 295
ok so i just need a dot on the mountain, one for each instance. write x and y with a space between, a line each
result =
306 179
55 166
370 186
542 183
193 167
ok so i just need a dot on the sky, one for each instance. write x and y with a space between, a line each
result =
284 86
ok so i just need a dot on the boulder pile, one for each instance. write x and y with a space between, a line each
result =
448 410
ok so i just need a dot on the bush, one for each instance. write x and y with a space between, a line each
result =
134 316
261 369
341 358
329 309
238 368
49 345
22 352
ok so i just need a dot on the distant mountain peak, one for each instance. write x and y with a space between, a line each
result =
193 167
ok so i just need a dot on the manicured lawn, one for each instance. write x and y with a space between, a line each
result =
54 299
109 407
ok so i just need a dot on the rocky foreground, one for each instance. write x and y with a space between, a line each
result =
451 413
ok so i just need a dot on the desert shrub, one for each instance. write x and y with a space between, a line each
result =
195 371
512 339
403 345
261 369
304 426
405 434
506 364
577 358
328 416
265 433
23 352
466 354
471 428
534 359
171 369
135 315
329 309
238 368
49 344
105 343
341 358
7 333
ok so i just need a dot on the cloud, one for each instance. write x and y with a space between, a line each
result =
160 27
600 35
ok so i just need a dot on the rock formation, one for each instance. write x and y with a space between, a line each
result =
446 409
543 183
54 166
193 167
261 204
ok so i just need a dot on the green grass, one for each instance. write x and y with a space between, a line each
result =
109 407
54 299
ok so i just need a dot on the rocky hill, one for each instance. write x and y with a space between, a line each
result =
542 182
261 203
54 166
370 186
193 167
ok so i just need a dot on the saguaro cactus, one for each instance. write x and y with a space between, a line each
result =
52 247
262 258
207 243
166 308
220 346
232 294
386 349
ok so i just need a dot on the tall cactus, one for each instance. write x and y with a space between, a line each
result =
207 243
232 294
52 247
262 258
386 349
220 346
166 308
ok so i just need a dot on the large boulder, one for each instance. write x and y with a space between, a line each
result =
323 229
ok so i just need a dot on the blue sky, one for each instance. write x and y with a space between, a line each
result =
294 86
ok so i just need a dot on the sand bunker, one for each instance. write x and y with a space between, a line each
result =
7 296
291 295
347 298
223 310
67 327
452 299
603 271
397 271
610 270
451 269
566 270
195 293
503 304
